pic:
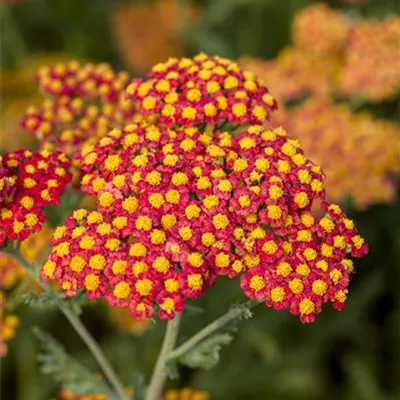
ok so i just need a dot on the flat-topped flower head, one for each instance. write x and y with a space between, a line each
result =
205 89
29 182
176 208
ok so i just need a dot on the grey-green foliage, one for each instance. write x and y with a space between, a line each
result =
207 353
74 376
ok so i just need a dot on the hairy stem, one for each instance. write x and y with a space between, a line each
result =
240 311
159 377
76 323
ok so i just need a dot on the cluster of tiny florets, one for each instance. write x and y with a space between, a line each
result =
320 29
69 395
209 90
186 393
29 182
176 208
83 102
370 66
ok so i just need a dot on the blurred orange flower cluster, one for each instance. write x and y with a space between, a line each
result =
332 54
149 33
334 57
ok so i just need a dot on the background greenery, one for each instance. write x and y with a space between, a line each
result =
352 355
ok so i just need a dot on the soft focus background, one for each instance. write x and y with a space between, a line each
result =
338 89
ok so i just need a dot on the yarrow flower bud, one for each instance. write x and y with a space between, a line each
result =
204 89
29 182
178 208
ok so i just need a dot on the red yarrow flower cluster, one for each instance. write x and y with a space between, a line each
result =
29 182
176 208
205 89
83 103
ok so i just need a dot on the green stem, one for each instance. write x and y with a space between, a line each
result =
159 377
76 324
240 311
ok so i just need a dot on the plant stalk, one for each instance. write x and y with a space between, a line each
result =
159 377
77 324
240 311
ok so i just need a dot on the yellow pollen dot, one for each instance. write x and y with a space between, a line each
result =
358 241
296 286
195 281
220 221
307 220
77 263
240 165
301 199
29 183
144 286
310 254
104 228
92 282
319 287
317 185
173 196
284 166
168 221
208 239
157 236
31 219
138 250
244 201
170 159
161 264
97 262
113 162
179 178
270 247
322 265
222 260
304 236
122 290
275 192
348 264
257 283
119 267
327 224
27 202
48 268
106 199
335 276
326 250
143 223
211 201
130 204
203 183
171 285
192 211
277 294
225 186
260 113
189 113
240 110
87 242
59 232
168 304
112 244
283 269
153 178
195 259
139 267
185 233
119 181
340 296
231 82
274 212
149 102
247 143
62 249
306 306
